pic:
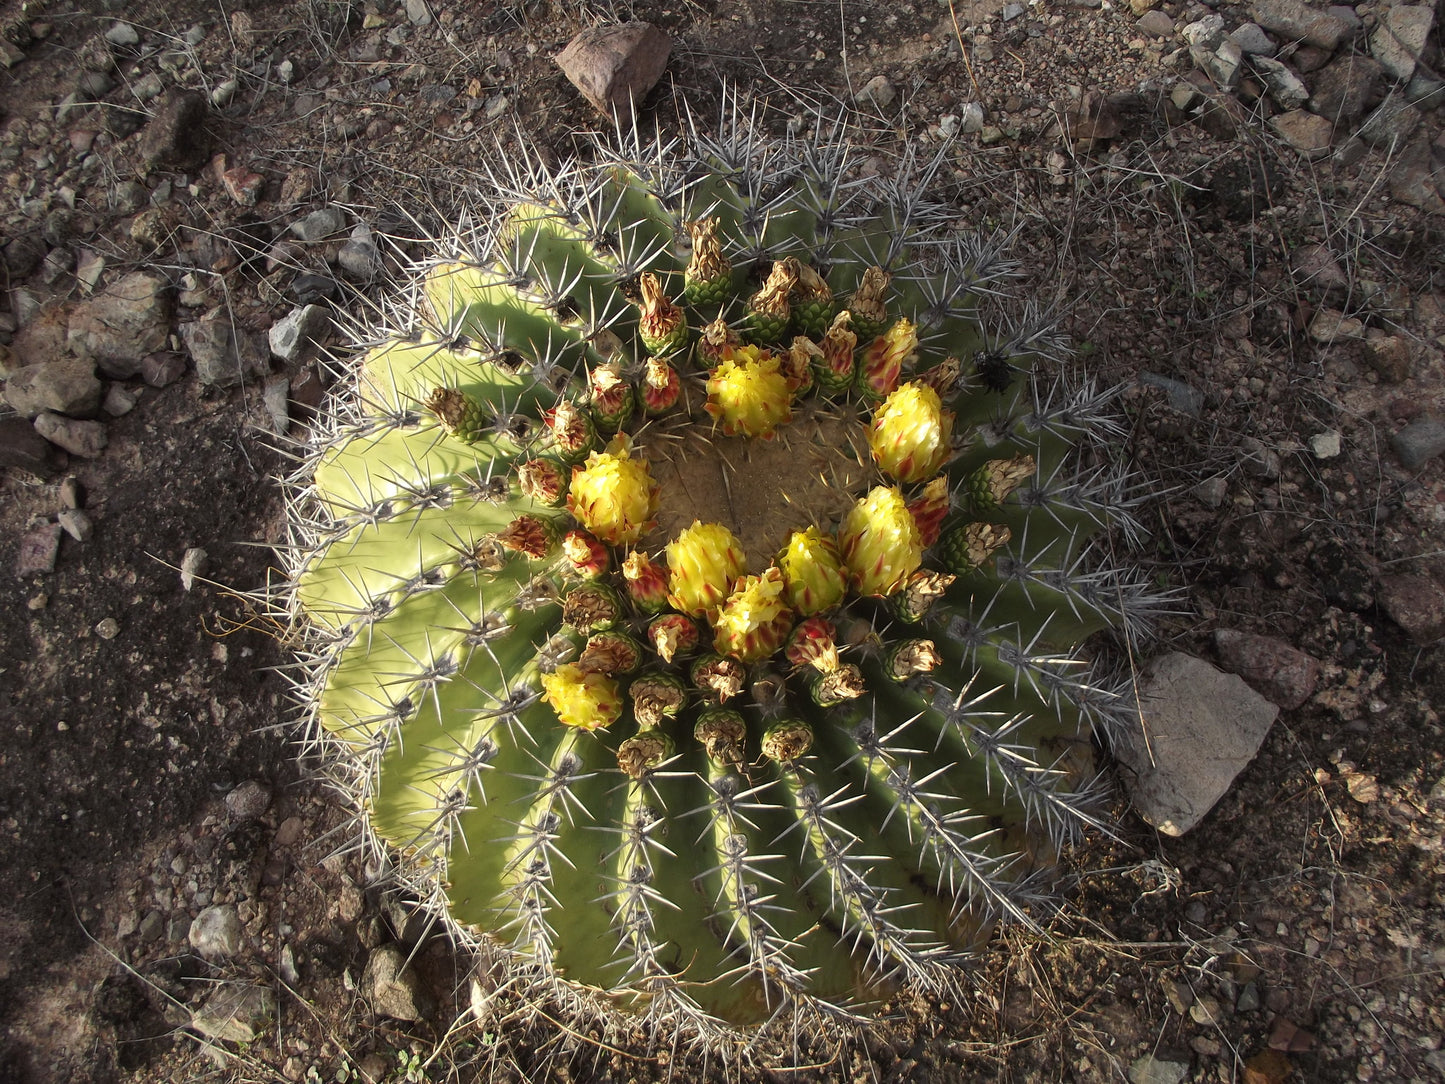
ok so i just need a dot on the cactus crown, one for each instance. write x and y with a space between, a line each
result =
731 682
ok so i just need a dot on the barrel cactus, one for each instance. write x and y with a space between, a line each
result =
695 585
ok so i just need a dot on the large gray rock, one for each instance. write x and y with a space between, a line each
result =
319 224
224 354
1391 124
1298 21
293 336
1285 87
616 66
393 988
360 257
64 386
1399 38
235 1013
1201 727
118 328
1419 442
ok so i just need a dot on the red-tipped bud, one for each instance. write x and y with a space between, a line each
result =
929 509
646 582
671 635
586 554
813 643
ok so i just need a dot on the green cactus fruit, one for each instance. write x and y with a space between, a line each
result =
967 548
835 366
708 278
611 652
657 695
768 311
868 305
461 415
812 303
889 752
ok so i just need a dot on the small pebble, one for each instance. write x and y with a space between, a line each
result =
1325 445
192 564
108 629
76 524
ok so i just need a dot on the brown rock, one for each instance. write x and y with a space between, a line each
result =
1223 116
120 326
64 385
1316 269
176 135
42 339
1388 355
1091 121
616 66
1297 20
1412 181
1305 132
85 439
243 185
1310 58
162 369
1282 673
1345 88
38 549
1416 603
22 448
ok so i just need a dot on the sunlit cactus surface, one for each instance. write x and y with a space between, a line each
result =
696 584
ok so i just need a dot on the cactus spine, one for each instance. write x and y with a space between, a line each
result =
762 763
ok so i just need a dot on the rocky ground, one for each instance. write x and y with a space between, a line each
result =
1241 208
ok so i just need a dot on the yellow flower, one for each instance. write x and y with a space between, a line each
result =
909 433
812 572
755 619
582 698
703 561
613 496
880 542
748 394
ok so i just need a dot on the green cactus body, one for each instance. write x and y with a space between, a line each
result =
944 765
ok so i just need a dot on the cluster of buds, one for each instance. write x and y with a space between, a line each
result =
700 596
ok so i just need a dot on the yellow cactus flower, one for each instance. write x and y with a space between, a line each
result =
748 394
813 577
613 495
755 619
582 698
880 542
909 434
703 562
